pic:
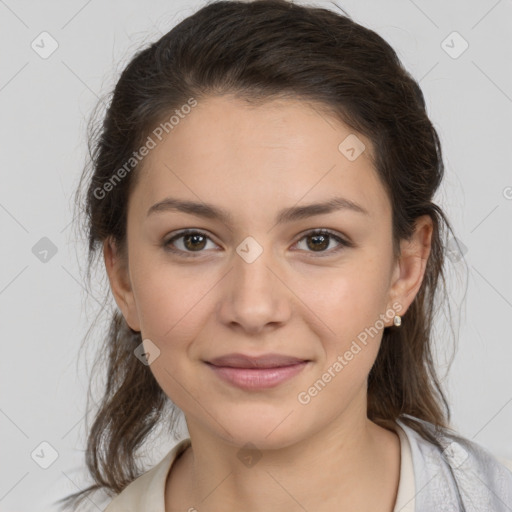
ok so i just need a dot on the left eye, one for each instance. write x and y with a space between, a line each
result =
321 240
195 241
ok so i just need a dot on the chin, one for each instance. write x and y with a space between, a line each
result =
265 428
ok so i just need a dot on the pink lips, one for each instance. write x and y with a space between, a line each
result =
259 372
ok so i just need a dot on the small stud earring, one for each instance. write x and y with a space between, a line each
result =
397 320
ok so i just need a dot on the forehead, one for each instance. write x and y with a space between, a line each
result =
279 151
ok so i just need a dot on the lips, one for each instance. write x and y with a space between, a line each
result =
256 373
263 361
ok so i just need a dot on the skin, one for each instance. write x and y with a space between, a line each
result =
294 299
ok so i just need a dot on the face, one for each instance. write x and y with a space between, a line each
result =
254 276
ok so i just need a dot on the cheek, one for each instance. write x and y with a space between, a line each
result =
351 300
352 307
172 311
158 306
168 299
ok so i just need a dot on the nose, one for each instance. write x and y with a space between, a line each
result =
255 296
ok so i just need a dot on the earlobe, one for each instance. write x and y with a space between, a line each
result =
120 285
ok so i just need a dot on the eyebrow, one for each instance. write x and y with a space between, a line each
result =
291 214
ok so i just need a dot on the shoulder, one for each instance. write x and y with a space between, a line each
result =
506 462
456 470
147 492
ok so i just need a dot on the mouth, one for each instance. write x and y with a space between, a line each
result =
262 361
254 373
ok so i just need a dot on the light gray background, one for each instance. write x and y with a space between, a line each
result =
45 104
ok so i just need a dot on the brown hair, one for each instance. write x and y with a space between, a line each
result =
262 50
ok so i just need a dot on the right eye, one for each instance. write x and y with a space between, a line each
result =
191 241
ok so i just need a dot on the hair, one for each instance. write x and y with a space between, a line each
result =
259 51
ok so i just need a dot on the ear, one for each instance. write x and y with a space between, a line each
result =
410 267
120 284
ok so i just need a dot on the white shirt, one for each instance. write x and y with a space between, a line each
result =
147 492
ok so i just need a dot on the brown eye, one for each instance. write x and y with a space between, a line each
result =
319 241
187 242
194 242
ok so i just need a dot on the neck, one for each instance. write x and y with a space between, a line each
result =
353 465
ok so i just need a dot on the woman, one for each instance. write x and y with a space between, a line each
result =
261 191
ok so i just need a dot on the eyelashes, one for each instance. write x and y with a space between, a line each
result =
196 239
